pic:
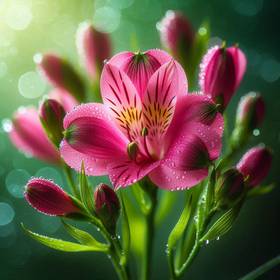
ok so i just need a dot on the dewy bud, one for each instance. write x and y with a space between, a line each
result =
61 74
48 198
51 116
94 47
255 165
221 72
250 114
176 33
250 111
107 206
229 188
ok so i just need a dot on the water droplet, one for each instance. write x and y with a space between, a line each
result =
207 242
218 238
256 132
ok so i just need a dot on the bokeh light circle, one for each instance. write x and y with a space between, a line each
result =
106 19
31 85
16 181
18 16
7 213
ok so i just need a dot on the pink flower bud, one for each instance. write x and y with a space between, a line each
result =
255 165
61 74
51 116
49 198
221 72
28 136
94 47
250 112
229 188
176 33
107 206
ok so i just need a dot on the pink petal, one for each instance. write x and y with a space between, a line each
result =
160 99
122 99
91 132
126 172
194 108
187 160
64 98
173 179
141 72
163 57
28 136
73 158
240 63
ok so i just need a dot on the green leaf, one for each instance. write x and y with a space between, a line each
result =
205 201
86 192
260 190
83 237
181 225
125 232
223 224
61 245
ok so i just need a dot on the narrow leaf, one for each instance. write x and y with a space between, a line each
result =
86 192
181 225
59 244
83 237
223 224
125 232
205 201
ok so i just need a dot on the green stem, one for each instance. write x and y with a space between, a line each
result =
170 258
70 181
190 258
262 269
149 236
115 252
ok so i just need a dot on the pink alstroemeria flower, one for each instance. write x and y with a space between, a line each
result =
147 126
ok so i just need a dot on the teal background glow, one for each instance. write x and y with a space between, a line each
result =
31 26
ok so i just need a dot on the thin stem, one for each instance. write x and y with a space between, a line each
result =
149 236
262 269
115 252
70 181
190 258
170 258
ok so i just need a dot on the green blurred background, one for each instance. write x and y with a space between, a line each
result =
31 26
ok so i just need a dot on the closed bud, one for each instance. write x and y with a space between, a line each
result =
107 206
250 112
229 188
93 47
176 33
255 165
51 116
61 75
48 198
221 72
28 135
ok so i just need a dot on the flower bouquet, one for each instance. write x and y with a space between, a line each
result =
143 120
